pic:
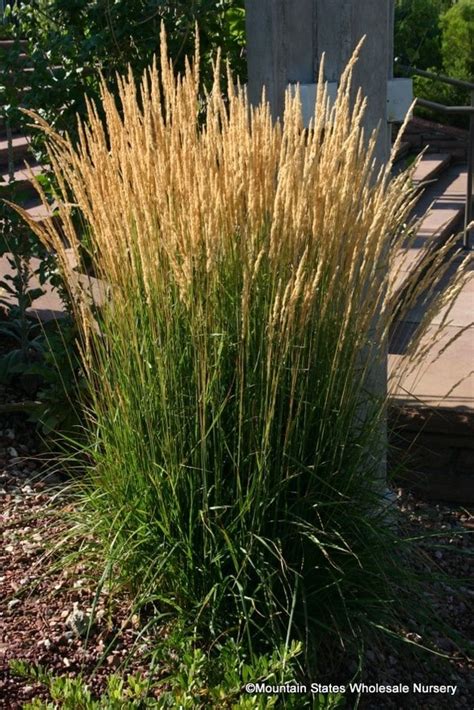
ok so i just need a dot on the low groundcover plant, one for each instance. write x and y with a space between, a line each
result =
235 432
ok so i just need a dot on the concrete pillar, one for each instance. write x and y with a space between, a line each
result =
285 40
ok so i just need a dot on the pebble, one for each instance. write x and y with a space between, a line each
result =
113 660
78 621
45 643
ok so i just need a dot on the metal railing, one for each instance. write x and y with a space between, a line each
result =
460 110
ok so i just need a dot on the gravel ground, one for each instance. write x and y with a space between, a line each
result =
45 623
454 606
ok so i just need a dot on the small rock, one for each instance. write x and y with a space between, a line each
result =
13 453
78 621
13 602
45 643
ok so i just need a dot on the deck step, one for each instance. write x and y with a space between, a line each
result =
443 208
430 166
20 146
36 210
8 44
438 226
22 180
403 149
432 449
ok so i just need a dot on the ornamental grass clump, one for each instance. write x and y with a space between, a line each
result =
235 433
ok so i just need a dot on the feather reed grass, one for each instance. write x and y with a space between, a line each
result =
235 435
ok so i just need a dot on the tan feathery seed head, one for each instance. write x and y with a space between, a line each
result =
176 195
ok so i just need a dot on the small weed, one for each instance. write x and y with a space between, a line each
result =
194 681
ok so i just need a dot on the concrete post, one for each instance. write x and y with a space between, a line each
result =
285 41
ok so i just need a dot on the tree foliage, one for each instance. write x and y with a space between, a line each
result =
457 47
437 35
70 42
417 32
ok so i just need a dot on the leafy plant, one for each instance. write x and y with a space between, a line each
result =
195 681
61 387
41 358
16 297
46 364
74 694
